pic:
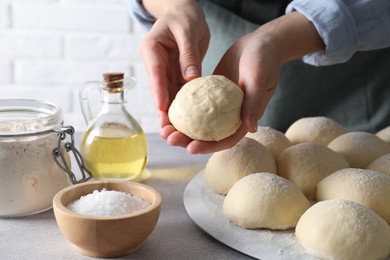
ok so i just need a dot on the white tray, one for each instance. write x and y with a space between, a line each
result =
204 206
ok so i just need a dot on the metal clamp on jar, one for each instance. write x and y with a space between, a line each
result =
31 135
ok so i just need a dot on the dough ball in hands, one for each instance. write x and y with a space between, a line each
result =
224 168
319 130
384 134
342 229
207 108
359 148
274 140
381 164
306 164
265 200
369 188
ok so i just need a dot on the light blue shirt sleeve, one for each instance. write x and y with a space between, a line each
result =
138 12
346 26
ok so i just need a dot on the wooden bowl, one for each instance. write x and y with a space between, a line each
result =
107 236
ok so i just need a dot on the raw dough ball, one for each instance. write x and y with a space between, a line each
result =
207 108
342 229
370 188
384 134
226 167
265 200
274 140
319 130
382 164
308 163
359 148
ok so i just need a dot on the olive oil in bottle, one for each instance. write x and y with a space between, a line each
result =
114 145
114 153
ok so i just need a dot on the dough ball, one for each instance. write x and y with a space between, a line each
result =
265 200
370 188
274 140
342 229
359 148
226 167
384 134
381 164
207 108
306 164
319 130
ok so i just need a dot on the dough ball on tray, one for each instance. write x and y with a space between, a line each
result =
306 164
274 140
265 200
359 148
342 229
369 188
318 129
207 108
226 167
381 164
384 134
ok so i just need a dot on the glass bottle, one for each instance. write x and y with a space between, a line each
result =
114 144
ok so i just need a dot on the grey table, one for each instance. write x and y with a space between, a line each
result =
176 236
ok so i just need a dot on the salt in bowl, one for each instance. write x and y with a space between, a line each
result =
111 236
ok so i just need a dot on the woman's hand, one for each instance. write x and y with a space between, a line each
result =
253 62
173 50
177 43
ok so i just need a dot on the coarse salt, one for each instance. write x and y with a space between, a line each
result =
107 203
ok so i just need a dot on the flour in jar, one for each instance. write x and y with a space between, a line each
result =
29 176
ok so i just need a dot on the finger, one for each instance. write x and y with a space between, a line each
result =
164 119
178 139
251 107
166 131
258 93
190 57
155 64
174 137
203 147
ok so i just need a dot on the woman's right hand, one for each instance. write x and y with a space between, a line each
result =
172 53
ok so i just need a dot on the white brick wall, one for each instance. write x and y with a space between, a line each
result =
48 48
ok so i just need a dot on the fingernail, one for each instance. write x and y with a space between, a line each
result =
253 123
192 71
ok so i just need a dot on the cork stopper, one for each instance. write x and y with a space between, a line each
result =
110 77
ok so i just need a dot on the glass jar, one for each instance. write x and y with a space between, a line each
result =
31 132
